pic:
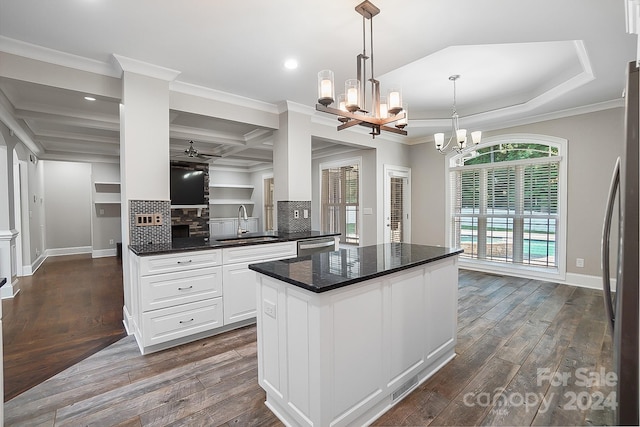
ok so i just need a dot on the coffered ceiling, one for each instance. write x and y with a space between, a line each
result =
519 62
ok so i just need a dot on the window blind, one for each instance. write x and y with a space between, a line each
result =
340 202
507 213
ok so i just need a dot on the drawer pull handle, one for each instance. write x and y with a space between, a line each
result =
187 321
185 262
184 289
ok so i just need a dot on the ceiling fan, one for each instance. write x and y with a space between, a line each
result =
194 155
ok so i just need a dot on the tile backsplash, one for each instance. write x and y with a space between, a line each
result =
145 234
287 221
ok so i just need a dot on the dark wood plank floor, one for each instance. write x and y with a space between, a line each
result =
509 330
69 309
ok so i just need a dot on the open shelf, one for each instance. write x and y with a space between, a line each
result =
249 186
231 202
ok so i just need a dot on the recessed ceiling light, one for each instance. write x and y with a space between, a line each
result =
89 98
290 64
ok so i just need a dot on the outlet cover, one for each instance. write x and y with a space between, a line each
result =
580 262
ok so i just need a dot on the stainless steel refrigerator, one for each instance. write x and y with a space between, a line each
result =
622 305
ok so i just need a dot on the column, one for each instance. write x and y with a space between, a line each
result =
144 159
292 171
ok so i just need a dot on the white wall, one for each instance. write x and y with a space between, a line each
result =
67 201
594 140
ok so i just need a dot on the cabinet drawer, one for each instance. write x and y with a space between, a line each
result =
168 324
179 262
165 290
259 252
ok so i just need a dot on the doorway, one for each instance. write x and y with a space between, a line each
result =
397 204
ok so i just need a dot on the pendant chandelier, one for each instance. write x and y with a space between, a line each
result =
458 135
353 107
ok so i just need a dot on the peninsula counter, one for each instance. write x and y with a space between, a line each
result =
344 335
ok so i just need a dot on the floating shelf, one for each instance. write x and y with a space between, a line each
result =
107 187
249 186
231 202
188 206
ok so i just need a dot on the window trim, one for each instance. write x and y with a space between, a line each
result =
557 274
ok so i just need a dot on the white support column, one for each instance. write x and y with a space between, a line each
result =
144 147
292 156
292 170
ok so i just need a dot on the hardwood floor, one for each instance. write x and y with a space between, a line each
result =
69 309
516 339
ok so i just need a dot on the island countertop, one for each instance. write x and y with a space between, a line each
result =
325 271
185 244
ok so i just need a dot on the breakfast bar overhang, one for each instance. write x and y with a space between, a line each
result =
344 335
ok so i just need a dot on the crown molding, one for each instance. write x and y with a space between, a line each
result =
217 95
131 65
44 54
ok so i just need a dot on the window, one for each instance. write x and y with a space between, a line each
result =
340 200
268 204
506 204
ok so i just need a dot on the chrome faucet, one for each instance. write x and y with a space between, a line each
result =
242 214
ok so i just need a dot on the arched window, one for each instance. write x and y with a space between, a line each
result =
507 205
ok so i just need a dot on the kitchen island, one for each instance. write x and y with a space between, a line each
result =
344 335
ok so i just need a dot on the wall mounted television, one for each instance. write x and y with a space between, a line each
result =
187 187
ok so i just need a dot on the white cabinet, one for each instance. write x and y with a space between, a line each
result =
176 297
239 292
181 297
226 226
222 226
239 283
173 323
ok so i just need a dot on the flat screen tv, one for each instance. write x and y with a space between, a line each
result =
187 187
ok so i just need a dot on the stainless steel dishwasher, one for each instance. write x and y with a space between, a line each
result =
318 244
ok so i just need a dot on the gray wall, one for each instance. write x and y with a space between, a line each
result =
67 200
106 222
594 142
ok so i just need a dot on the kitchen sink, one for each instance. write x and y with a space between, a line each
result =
248 239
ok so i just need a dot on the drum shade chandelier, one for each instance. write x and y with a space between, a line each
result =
458 135
352 105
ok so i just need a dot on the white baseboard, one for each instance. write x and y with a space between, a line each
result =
69 251
28 270
585 281
102 253
9 290
573 279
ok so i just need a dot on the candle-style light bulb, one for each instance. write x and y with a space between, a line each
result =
326 91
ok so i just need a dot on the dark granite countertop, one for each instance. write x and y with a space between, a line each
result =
331 270
186 244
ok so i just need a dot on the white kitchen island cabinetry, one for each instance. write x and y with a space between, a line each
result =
240 283
343 336
184 296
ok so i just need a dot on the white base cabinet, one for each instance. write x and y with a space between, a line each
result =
227 226
239 283
345 356
182 297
